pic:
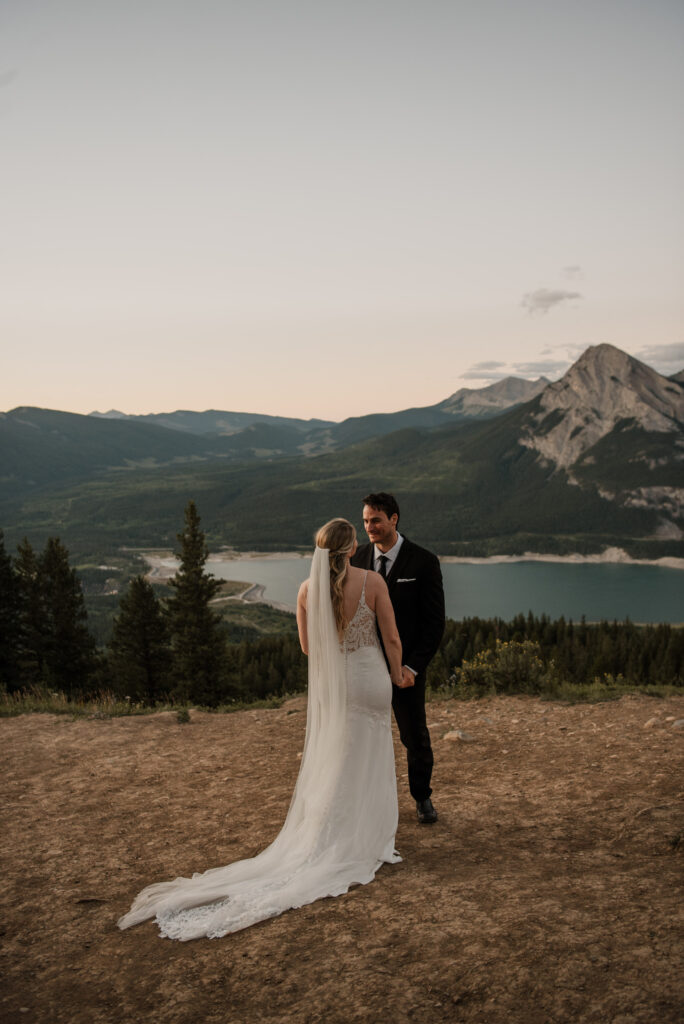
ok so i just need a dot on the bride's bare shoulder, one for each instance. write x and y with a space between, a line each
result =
375 586
354 577
375 580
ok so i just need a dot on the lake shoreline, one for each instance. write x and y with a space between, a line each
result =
163 564
161 567
611 556
594 587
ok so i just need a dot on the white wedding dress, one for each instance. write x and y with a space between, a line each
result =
343 816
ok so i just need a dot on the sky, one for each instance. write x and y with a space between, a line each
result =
326 208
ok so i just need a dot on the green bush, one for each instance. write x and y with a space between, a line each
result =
509 667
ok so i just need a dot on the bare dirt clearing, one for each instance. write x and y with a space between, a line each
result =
549 891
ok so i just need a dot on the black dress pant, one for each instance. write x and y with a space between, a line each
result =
408 705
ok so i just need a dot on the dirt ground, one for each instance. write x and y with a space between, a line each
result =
549 891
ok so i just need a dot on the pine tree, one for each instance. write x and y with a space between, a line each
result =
31 639
139 660
68 649
197 636
9 621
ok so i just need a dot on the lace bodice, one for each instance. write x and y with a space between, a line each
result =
362 629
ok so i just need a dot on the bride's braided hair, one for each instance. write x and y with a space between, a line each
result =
338 536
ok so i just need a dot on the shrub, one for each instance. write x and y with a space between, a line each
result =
509 667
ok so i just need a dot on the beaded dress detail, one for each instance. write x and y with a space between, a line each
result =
362 630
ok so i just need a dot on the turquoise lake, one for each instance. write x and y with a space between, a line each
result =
642 593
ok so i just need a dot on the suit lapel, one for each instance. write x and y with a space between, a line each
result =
399 563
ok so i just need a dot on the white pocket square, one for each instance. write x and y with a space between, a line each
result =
407 579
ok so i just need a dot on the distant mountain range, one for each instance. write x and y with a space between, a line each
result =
594 458
212 421
279 435
41 447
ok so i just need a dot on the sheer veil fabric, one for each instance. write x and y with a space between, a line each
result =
343 814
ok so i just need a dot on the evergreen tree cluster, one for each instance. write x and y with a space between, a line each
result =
580 652
180 650
44 638
273 666
138 664
176 649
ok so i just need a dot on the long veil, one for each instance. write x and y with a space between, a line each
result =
326 708
310 857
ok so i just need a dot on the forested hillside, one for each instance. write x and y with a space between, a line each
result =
595 460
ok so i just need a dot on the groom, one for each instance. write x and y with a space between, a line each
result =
414 580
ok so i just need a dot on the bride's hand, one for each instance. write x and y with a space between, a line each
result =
407 677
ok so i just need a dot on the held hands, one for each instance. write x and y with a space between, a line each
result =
407 678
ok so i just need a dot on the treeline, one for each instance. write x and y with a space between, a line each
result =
178 648
44 638
576 653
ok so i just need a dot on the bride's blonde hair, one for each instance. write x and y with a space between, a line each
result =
338 536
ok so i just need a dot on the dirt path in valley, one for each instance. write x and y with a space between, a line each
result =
549 891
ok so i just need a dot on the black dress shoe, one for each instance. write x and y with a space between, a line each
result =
427 815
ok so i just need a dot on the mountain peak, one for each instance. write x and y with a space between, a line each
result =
603 351
604 386
112 414
500 395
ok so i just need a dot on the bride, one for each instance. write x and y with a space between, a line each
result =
343 815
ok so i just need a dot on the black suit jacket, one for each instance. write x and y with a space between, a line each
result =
417 594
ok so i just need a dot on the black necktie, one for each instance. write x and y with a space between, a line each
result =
383 566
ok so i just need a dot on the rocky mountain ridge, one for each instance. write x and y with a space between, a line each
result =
604 387
615 425
493 398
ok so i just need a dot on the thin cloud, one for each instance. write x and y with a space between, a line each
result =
7 77
489 364
574 270
474 374
541 368
544 299
497 371
673 353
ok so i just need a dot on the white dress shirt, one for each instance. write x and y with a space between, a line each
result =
391 557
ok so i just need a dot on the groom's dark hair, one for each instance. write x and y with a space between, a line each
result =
383 502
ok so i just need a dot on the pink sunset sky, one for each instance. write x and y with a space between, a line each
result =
329 209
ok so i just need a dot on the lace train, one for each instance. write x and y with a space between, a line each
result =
340 827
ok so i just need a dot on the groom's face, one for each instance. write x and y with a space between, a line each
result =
381 528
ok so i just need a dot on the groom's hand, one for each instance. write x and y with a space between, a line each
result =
407 676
